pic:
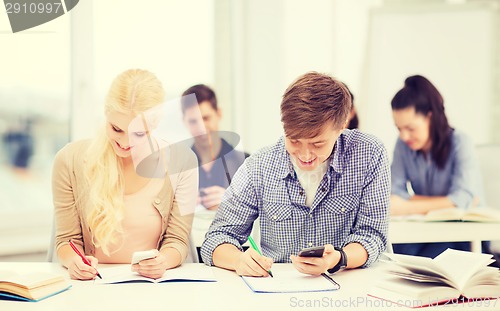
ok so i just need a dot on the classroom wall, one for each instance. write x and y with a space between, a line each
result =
275 42
168 38
372 46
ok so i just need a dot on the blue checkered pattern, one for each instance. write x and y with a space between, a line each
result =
351 204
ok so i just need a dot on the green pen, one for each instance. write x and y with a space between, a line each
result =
254 246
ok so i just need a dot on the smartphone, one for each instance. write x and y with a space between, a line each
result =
316 251
143 255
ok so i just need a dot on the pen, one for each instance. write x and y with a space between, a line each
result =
254 246
85 260
337 285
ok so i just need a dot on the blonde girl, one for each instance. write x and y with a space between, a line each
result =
107 207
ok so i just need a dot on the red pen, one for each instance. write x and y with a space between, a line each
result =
85 260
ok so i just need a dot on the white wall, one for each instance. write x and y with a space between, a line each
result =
274 42
454 44
174 39
257 71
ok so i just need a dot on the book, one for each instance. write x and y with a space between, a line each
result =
456 214
290 281
184 273
453 276
31 287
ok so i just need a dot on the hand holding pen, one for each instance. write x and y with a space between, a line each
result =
82 272
252 263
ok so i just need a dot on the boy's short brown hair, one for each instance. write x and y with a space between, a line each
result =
311 102
203 93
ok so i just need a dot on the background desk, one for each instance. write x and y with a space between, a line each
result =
417 232
228 293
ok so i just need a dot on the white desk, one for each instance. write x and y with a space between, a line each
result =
228 293
419 232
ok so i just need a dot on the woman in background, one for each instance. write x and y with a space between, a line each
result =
437 161
105 206
353 115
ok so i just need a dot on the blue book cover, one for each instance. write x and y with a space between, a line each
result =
9 296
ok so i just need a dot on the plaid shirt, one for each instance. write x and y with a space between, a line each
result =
351 204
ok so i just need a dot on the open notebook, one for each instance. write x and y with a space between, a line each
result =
290 281
184 273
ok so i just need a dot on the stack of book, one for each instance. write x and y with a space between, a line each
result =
31 287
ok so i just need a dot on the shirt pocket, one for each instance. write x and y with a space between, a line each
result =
343 204
279 229
340 211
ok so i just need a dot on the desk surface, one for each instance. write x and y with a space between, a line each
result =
228 293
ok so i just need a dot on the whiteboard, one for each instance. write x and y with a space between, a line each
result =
454 46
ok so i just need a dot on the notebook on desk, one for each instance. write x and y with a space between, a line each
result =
184 273
291 281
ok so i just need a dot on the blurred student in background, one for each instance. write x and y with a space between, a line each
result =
218 161
353 115
202 117
437 161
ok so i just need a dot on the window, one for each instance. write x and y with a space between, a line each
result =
34 123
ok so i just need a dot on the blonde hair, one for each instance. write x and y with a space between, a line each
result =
133 91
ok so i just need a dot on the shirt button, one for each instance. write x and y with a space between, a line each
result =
323 189
309 244
275 217
157 201
342 209
310 215
301 192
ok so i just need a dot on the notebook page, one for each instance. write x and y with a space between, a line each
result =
190 272
119 274
186 272
289 282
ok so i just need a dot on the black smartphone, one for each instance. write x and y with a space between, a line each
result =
316 251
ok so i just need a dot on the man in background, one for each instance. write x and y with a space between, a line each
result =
218 161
